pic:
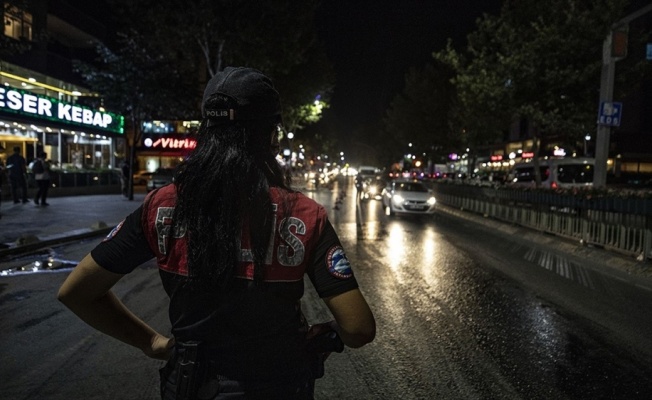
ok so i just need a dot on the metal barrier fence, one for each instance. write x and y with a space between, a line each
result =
619 224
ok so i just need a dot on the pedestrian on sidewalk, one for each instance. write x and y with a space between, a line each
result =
41 169
233 243
17 167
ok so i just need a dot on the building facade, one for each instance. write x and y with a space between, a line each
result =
43 103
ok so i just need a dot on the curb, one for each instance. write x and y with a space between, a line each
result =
54 240
606 260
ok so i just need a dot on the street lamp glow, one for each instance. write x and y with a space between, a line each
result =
290 135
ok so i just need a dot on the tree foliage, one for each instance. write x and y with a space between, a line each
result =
277 37
420 114
140 83
538 61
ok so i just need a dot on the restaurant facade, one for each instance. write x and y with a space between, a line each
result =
38 116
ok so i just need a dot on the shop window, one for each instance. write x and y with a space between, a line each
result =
18 23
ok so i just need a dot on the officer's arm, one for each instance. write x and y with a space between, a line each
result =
87 292
354 321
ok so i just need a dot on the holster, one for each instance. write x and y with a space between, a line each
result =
184 373
188 377
318 346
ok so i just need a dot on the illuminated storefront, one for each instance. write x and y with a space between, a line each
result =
39 116
165 144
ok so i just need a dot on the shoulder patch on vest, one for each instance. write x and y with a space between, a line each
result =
114 231
337 263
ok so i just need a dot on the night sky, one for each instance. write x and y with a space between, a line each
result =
372 44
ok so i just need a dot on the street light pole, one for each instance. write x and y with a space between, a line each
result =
602 139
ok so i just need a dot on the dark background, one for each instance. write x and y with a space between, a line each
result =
372 44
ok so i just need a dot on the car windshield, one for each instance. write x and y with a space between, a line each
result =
411 187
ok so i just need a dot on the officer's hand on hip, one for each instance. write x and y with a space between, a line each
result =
161 348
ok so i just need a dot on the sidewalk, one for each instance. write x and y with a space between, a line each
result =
22 225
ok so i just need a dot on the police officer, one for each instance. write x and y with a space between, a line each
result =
233 244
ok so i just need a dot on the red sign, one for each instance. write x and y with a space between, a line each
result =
170 143
528 154
496 158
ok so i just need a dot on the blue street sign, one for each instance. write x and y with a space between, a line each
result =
610 113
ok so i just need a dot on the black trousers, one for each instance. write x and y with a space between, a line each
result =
18 183
42 194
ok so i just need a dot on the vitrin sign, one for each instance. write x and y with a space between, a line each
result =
170 143
28 104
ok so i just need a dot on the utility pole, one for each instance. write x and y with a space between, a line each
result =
606 92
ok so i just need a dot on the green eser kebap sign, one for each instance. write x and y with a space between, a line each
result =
21 102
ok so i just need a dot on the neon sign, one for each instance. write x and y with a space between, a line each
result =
496 158
21 102
166 143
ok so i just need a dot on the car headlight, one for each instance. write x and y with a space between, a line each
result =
397 198
373 190
431 201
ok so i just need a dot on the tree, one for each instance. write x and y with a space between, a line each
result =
277 37
420 114
538 61
141 84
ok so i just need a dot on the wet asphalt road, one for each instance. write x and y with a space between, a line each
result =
463 312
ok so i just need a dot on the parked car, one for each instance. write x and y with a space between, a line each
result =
141 177
160 178
555 173
408 197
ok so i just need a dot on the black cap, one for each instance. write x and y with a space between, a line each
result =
251 94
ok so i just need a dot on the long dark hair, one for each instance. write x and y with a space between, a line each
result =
222 185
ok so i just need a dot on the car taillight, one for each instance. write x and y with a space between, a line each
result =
554 185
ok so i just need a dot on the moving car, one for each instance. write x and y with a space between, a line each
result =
372 188
160 178
403 196
365 174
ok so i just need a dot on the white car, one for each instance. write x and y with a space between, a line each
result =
408 197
